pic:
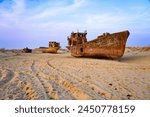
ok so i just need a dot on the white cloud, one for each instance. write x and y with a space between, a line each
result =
58 10
40 22
18 7
47 19
137 19
43 16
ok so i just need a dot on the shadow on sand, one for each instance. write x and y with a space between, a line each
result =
132 58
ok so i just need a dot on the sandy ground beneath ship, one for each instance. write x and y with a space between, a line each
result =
40 76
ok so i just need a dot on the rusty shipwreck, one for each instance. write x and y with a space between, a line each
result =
53 47
110 46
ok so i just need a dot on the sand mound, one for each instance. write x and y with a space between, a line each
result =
140 49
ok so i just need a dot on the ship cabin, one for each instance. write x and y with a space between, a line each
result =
77 38
54 44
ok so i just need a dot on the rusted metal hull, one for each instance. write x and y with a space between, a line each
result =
105 46
53 47
50 50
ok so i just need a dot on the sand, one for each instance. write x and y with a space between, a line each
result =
43 76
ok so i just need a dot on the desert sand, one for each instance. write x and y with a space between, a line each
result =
43 76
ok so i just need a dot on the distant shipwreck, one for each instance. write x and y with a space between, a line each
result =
53 47
26 50
110 46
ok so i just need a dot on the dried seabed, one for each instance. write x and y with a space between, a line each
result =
34 76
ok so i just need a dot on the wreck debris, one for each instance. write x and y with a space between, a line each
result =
104 46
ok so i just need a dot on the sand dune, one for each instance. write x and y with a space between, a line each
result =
35 76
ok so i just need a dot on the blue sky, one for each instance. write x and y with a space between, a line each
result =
33 23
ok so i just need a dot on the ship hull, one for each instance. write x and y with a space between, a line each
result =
50 50
106 46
